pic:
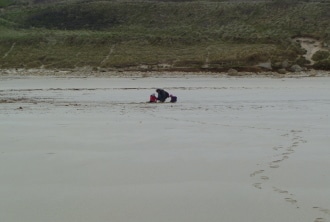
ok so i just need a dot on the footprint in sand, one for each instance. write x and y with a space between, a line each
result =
295 144
274 166
303 141
296 131
290 200
290 150
323 210
257 185
277 147
264 178
277 161
326 211
280 191
256 172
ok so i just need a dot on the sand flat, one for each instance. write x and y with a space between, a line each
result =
232 149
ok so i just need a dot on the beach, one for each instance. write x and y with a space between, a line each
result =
232 149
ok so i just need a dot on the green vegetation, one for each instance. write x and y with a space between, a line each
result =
322 59
191 35
321 55
4 3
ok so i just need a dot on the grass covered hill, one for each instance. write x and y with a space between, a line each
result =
186 35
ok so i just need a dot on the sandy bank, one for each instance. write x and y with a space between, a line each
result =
88 72
232 149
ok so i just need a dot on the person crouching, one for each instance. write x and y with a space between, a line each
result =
162 95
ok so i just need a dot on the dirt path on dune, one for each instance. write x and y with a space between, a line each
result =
310 45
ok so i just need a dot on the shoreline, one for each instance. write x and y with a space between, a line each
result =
85 72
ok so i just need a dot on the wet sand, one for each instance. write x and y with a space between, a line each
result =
231 149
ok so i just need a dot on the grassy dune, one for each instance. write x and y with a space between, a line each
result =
158 34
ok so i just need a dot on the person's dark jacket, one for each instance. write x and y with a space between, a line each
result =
162 95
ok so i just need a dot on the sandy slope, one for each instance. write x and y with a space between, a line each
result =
311 46
231 149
